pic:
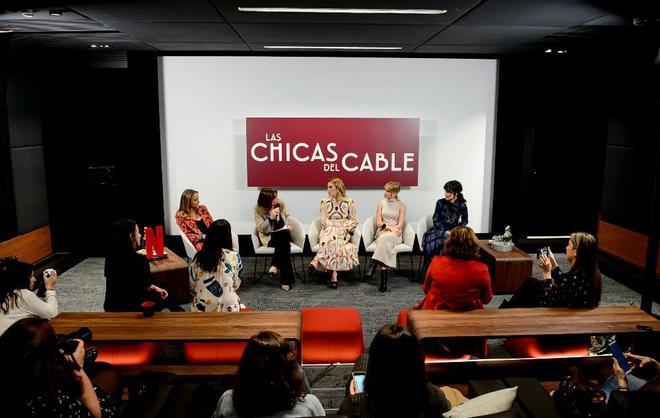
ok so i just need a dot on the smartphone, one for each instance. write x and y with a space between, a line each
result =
541 251
615 349
358 378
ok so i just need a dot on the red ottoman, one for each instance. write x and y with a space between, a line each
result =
226 352
331 335
126 354
547 347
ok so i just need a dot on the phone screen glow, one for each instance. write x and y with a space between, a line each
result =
359 382
618 354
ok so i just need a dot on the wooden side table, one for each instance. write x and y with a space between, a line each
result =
172 273
507 270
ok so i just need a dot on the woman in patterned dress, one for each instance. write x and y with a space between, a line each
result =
449 212
390 217
215 273
338 222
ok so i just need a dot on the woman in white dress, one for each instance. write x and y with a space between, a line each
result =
390 217
215 272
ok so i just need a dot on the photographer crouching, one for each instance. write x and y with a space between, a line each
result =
43 374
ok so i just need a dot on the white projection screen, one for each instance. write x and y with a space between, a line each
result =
205 101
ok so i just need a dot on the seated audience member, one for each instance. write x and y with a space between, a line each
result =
395 384
17 299
192 218
390 217
41 381
579 287
269 383
644 377
273 229
128 280
456 281
215 272
338 222
449 212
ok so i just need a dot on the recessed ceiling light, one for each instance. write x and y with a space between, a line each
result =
28 13
55 12
99 46
350 48
561 51
343 10
548 51
5 30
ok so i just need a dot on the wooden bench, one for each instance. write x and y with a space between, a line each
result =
525 322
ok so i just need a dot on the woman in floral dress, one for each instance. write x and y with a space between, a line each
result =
215 272
338 222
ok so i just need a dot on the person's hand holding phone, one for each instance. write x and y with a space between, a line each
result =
551 257
643 362
546 266
619 374
357 383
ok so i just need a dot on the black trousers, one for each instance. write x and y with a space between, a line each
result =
281 242
528 295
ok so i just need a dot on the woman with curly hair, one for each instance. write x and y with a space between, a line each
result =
269 383
456 281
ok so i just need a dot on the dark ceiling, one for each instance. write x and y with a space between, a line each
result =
469 27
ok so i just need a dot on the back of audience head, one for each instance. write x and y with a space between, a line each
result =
268 378
29 354
218 237
186 205
125 236
396 379
462 243
14 275
586 258
455 187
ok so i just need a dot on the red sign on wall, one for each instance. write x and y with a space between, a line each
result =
307 152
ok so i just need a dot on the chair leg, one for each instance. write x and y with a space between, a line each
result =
302 266
254 275
412 268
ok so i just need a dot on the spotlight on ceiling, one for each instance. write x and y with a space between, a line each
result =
28 13
99 46
55 12
548 51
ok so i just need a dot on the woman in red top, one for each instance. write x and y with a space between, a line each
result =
192 218
455 281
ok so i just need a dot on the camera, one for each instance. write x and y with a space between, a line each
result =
542 251
68 344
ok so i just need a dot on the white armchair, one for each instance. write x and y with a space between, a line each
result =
407 245
313 237
191 250
297 245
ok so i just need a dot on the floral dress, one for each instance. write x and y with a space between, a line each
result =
336 251
216 291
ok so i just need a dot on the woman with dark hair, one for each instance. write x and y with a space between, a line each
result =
395 383
338 222
272 224
449 212
579 287
456 281
192 218
269 383
128 280
17 299
215 272
40 381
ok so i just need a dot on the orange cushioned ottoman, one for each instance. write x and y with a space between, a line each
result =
126 354
331 335
547 347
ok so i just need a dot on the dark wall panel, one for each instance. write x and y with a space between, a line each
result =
29 188
23 110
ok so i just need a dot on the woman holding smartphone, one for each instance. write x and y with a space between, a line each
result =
579 287
395 383
272 225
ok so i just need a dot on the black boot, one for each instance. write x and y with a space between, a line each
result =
370 274
383 281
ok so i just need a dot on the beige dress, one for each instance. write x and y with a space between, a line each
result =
336 252
386 242
216 291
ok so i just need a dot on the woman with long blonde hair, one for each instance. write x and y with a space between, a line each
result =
193 218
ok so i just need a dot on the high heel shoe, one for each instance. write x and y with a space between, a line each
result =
383 281
334 283
370 274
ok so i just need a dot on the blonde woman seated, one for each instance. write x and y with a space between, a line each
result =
338 222
390 216
215 272
192 218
